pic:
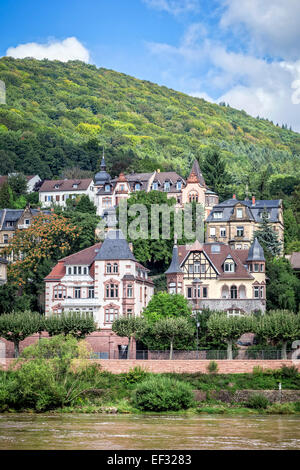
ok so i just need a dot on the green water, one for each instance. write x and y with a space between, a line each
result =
87 431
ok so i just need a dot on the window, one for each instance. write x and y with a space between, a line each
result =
108 268
262 292
191 269
91 293
115 268
178 185
75 270
77 291
189 292
69 271
204 290
238 246
218 215
59 292
223 232
167 186
112 290
137 187
46 198
239 213
111 314
129 291
215 248
261 268
197 267
57 198
107 188
240 231
5 238
256 267
212 231
203 268
106 202
155 186
75 186
129 312
122 187
85 271
27 222
233 292
79 269
256 292
229 267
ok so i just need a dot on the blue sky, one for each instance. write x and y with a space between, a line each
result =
244 52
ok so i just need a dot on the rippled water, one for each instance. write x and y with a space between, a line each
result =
84 431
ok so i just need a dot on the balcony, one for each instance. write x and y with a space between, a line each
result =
76 303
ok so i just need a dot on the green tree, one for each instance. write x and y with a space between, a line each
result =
6 197
18 184
164 305
229 329
283 287
267 237
85 205
291 230
127 327
214 171
279 326
75 324
171 329
16 327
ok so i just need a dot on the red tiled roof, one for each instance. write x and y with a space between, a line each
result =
65 185
57 272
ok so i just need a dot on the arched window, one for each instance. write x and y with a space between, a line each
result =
193 197
225 292
233 292
115 268
242 292
108 268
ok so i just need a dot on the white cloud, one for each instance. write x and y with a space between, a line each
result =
67 49
175 7
260 87
273 25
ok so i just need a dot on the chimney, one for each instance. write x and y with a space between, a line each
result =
253 200
234 196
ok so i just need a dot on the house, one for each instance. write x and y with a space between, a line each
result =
32 180
294 259
58 191
218 277
234 222
15 219
111 191
104 279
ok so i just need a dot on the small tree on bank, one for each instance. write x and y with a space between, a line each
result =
279 326
165 305
229 329
16 327
128 327
75 324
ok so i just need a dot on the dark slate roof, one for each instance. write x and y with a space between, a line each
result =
253 211
256 252
3 261
115 246
175 265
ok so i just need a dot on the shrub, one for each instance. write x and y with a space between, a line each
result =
297 406
163 394
289 372
258 402
135 375
212 367
281 408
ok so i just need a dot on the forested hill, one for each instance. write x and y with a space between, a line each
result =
60 115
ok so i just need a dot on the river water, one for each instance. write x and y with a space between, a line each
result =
96 431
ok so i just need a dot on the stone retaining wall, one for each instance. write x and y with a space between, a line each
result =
240 396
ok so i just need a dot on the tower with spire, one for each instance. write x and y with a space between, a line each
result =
174 274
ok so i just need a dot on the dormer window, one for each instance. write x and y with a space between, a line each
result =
107 188
215 248
218 215
229 266
56 186
179 185
267 214
239 213
167 186
137 187
155 186
75 186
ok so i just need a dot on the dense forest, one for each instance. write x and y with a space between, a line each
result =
60 115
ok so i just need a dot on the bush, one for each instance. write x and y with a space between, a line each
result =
258 402
163 394
212 367
289 372
281 408
135 375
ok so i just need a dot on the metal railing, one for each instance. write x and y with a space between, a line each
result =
209 355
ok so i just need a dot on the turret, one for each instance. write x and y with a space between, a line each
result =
256 258
174 274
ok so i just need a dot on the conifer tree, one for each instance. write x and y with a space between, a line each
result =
214 171
267 237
